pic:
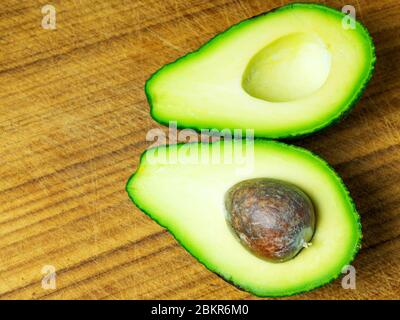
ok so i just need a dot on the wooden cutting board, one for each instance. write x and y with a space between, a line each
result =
73 123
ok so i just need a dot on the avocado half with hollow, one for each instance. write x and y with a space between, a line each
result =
185 187
285 73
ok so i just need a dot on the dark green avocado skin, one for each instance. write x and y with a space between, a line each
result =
138 205
334 120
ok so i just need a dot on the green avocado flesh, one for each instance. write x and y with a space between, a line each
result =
183 188
286 73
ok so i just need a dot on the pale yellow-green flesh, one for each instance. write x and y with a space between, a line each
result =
289 68
188 199
205 90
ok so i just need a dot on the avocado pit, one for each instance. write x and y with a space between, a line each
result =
273 219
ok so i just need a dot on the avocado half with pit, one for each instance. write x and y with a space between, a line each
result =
185 189
285 73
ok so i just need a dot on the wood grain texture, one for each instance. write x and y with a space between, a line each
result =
73 121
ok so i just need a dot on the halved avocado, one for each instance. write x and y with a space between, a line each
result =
183 188
285 73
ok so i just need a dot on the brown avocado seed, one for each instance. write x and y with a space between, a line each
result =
272 218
